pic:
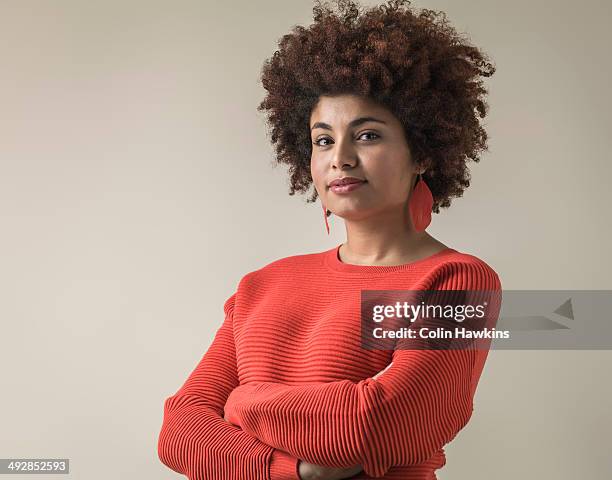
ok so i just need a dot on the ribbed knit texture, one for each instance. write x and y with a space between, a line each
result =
287 367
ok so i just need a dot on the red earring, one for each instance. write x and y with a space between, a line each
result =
325 216
420 204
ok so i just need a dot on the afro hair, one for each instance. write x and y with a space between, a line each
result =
413 63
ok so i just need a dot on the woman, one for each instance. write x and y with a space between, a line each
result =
363 106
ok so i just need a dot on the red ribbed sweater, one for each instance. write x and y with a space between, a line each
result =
287 366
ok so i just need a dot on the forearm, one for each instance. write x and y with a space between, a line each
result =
402 418
197 442
309 431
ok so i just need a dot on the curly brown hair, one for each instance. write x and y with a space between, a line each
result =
414 64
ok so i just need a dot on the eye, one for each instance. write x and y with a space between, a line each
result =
316 142
370 133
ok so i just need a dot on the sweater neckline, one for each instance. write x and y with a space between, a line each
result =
332 260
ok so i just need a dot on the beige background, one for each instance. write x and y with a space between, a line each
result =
136 190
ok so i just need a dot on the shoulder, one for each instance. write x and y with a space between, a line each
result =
281 271
460 270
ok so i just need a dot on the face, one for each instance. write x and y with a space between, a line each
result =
354 136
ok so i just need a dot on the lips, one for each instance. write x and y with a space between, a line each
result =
345 181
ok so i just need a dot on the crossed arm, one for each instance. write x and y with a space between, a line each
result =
196 441
401 418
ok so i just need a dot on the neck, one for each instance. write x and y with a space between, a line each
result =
386 237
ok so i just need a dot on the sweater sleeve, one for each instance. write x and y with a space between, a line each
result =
195 440
404 417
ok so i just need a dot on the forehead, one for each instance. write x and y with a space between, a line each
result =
343 108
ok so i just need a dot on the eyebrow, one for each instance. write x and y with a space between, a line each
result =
354 123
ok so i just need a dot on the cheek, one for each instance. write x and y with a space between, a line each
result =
317 172
389 181
383 175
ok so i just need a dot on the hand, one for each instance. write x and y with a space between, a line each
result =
310 471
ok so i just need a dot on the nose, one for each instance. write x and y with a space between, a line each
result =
344 155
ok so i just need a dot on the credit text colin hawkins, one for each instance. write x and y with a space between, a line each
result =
424 332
